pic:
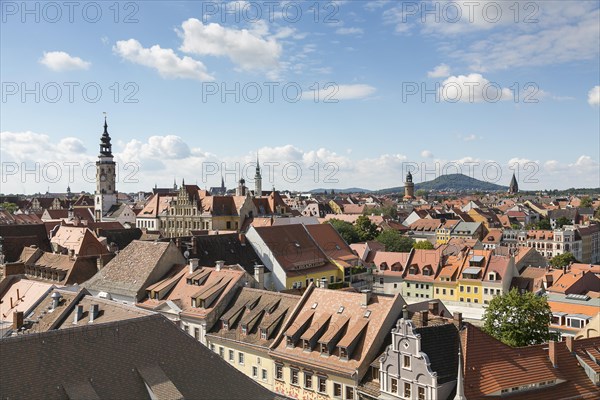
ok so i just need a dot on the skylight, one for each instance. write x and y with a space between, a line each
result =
340 310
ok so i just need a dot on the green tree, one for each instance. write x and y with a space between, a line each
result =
421 193
346 230
515 226
423 245
394 241
386 211
562 260
586 202
518 319
544 223
10 207
365 228
562 221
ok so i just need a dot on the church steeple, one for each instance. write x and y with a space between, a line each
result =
257 179
513 188
105 145
409 187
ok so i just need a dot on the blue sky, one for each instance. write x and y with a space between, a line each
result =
377 58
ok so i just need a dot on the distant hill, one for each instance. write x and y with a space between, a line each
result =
451 183
348 190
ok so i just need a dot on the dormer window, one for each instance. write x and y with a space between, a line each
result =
426 271
412 270
289 342
263 334
324 349
225 325
343 353
244 329
306 345
194 303
492 276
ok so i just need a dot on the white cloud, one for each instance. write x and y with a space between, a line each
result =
248 49
472 88
334 92
426 154
469 138
594 96
440 71
62 61
165 61
349 31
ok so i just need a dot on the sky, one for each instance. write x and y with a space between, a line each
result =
331 94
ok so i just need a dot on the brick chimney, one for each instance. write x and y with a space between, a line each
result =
569 341
552 349
242 237
78 313
93 312
17 320
434 308
219 264
457 320
259 275
366 297
193 264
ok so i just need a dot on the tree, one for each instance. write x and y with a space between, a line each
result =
346 230
518 319
386 211
365 228
394 241
10 207
515 226
586 202
562 260
421 193
562 221
423 245
544 223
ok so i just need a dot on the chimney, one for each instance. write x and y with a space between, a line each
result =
569 340
219 264
424 317
78 313
259 275
193 265
434 308
324 283
242 238
99 263
17 320
366 297
93 312
71 254
552 353
405 312
18 296
55 300
457 320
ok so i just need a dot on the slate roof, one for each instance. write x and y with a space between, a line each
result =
230 247
119 360
16 237
440 343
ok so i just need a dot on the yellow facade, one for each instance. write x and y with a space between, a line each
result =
442 235
334 274
469 291
478 218
321 386
445 290
252 361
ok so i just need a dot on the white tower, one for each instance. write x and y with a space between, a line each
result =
106 177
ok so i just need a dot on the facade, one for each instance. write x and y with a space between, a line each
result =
409 187
106 176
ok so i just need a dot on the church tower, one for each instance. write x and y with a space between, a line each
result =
257 180
409 187
513 188
106 177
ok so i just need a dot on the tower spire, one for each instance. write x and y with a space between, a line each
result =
105 145
257 179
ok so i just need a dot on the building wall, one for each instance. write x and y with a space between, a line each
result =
392 284
417 290
471 292
450 288
285 387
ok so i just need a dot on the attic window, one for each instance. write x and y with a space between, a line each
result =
306 345
289 342
263 333
412 270
343 353
244 329
367 314
426 271
340 310
492 276
314 306
324 349
225 325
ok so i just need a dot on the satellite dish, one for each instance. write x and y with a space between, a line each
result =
186 254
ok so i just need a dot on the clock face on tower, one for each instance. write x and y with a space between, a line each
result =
102 177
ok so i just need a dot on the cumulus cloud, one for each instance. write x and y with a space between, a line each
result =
249 49
440 71
165 61
426 154
472 88
334 92
349 31
62 61
594 96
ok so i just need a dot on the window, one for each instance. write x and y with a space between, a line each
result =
294 376
451 292
241 358
462 289
407 390
437 290
197 333
462 299
408 294
421 393
349 393
407 284
264 375
406 362
322 384
485 291
221 352
244 329
307 380
331 279
212 347
395 286
475 301
231 356
468 300
443 291
381 281
497 292
468 289
475 289
394 385
279 371
337 389
263 334
255 372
